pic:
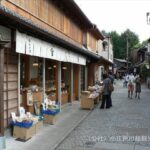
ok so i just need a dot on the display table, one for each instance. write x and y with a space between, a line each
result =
87 102
50 119
27 133
23 133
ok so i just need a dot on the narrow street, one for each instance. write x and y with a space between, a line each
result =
126 126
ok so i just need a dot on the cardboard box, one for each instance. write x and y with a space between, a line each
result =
24 133
50 119
64 98
87 103
38 126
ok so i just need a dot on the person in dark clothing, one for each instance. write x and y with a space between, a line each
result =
137 87
106 92
111 77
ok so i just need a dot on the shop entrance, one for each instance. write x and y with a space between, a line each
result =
82 82
51 79
76 82
31 83
66 83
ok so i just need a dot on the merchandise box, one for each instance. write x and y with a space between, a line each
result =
24 133
50 119
38 126
87 103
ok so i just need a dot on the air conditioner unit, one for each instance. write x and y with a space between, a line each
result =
5 36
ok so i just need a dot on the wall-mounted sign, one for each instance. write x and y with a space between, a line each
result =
35 47
5 35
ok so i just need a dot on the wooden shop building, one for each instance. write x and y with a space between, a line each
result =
46 47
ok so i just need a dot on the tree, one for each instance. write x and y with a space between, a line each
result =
120 42
133 40
116 43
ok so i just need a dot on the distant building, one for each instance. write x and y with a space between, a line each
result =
120 66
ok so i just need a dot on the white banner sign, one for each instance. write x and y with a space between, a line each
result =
148 18
32 46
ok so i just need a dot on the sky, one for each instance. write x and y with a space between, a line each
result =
118 15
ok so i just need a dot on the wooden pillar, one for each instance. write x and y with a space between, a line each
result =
18 81
1 92
72 89
86 77
59 84
76 81
56 80
79 88
27 70
43 78
91 74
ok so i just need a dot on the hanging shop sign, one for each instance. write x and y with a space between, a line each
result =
26 44
5 34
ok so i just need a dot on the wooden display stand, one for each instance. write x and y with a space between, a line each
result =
27 133
86 102
38 126
23 133
50 119
64 98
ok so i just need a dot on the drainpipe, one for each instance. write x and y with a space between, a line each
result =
2 137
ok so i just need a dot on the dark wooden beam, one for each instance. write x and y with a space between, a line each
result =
1 91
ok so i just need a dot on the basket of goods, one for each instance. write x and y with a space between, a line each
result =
91 88
23 123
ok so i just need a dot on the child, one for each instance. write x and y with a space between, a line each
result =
130 89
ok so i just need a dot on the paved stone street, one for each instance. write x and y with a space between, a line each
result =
126 126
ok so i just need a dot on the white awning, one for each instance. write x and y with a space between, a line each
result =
26 44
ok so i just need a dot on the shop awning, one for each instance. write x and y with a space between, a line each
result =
103 60
29 45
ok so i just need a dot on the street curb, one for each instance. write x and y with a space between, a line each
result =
63 138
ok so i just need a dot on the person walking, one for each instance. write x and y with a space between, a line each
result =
105 92
111 77
131 86
137 87
126 80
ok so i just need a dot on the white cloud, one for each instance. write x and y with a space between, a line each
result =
118 15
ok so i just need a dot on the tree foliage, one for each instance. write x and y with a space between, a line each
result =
119 42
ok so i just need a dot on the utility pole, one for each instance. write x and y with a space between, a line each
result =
108 45
127 51
148 44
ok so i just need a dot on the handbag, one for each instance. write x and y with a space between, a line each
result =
111 87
